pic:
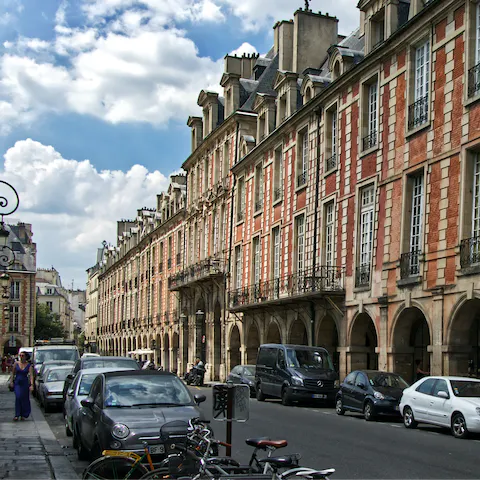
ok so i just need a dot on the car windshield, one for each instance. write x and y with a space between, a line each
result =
86 383
147 390
250 370
387 380
57 354
313 359
465 388
58 375
93 362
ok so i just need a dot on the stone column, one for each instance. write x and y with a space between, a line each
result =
383 334
435 349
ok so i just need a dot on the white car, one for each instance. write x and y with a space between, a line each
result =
452 402
78 390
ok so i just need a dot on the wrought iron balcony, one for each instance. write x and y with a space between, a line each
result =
370 140
410 264
301 179
474 81
201 271
259 205
277 193
304 284
362 276
470 252
418 113
331 163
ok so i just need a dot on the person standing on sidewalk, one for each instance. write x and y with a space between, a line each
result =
22 381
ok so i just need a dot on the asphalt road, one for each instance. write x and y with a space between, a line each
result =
354 447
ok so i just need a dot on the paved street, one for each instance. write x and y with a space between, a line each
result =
355 448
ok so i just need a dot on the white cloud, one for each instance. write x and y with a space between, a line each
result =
246 48
71 205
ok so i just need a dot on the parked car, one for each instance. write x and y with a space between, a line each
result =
77 392
124 408
85 355
51 387
451 402
99 362
243 375
370 392
295 373
46 366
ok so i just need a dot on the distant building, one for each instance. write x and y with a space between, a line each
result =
78 303
18 317
51 292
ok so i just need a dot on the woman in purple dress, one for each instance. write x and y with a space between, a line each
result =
21 380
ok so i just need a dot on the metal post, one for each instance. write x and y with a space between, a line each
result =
230 392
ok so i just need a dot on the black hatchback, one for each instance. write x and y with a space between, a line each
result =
370 392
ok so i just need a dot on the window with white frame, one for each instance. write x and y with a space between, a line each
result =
276 252
258 187
205 238
205 175
300 243
50 306
241 199
474 57
418 111
331 150
238 267
226 158
302 156
216 168
15 290
329 234
370 115
215 232
14 322
256 260
367 205
278 175
476 196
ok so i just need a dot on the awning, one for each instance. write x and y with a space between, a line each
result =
141 351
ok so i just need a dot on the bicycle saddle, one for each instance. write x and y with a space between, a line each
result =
284 461
317 474
227 461
264 442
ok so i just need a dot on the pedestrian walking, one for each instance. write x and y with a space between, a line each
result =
10 361
21 379
419 372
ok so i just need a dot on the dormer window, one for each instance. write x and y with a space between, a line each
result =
282 109
308 95
377 29
337 70
261 127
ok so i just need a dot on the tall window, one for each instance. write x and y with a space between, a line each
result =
276 252
241 199
205 175
476 196
257 260
278 175
258 187
366 235
216 169
179 247
238 266
371 110
205 238
160 258
331 139
215 232
417 212
300 242
329 234
226 158
170 252
418 111
14 319
302 163
50 306
15 290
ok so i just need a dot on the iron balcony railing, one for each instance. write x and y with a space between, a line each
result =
474 81
304 283
302 179
331 162
470 252
370 140
362 275
277 194
410 264
200 271
418 112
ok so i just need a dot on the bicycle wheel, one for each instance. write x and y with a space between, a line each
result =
114 468
162 472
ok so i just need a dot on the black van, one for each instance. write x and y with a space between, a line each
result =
295 372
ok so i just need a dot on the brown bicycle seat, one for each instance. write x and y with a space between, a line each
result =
263 443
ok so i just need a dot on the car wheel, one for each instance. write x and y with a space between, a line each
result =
408 418
339 406
286 400
459 426
259 394
369 411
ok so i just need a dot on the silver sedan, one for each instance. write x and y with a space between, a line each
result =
51 387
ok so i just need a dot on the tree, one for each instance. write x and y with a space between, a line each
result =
48 324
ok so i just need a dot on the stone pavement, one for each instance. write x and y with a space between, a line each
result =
29 449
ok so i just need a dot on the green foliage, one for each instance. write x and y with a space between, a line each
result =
48 324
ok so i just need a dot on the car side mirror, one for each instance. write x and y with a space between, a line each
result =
443 394
70 393
70 376
362 386
87 402
198 399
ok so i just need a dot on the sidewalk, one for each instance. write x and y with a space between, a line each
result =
29 449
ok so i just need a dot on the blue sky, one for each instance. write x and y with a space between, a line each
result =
94 98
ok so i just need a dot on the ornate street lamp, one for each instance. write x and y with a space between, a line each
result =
9 202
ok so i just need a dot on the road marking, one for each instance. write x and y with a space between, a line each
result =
395 425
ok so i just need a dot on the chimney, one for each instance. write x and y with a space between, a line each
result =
283 44
196 124
248 61
313 35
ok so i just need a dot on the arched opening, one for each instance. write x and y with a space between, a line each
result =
166 353
363 344
217 341
175 345
273 333
411 337
337 70
10 347
201 331
253 343
158 348
235 357
327 337
308 94
185 340
463 356
298 333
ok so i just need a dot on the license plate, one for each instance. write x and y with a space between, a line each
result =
319 395
154 449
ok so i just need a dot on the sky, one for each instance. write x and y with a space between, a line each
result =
94 99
